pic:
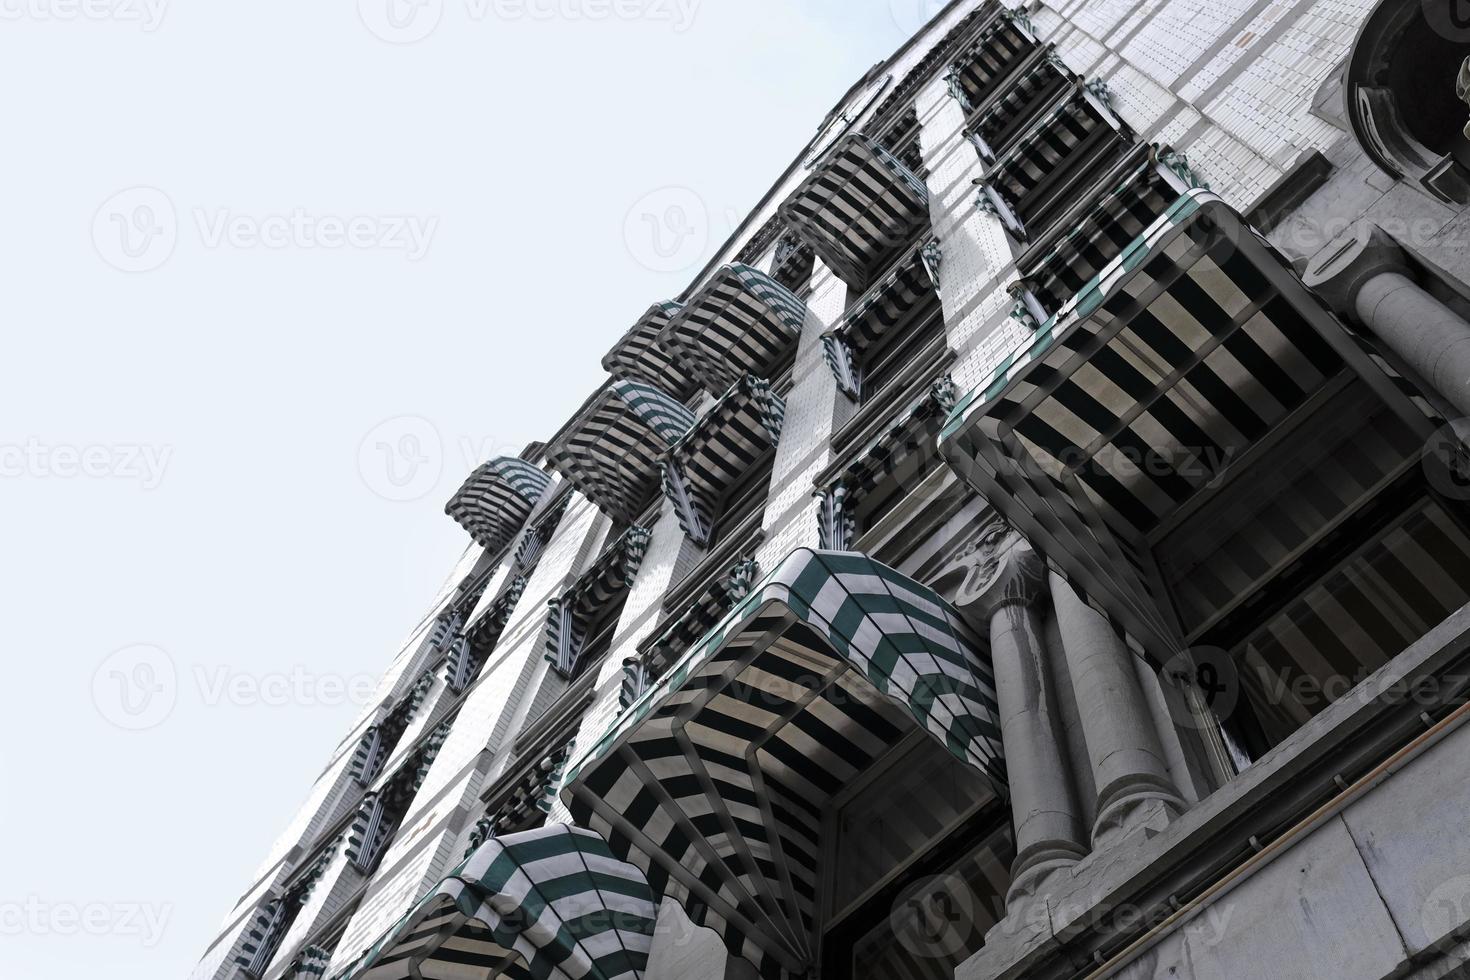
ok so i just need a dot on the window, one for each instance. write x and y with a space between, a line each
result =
922 326
913 890
1321 559
742 499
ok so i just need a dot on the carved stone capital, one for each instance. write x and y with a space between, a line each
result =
1000 570
1337 273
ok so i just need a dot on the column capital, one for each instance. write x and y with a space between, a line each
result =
1337 272
1001 569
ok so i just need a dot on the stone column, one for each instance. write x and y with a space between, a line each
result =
1004 581
1133 785
1366 275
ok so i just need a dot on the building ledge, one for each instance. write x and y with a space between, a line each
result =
1116 894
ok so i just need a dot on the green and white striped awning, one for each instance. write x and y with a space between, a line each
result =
913 281
496 500
859 208
309 964
1181 355
740 322
1056 268
1034 181
530 797
577 608
724 444
640 356
611 452
998 50
714 781
1009 111
548 904
907 445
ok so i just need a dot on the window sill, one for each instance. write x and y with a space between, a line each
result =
745 538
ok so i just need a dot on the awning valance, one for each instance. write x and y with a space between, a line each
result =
496 500
1078 138
310 963
611 452
1008 113
639 356
547 904
912 281
577 608
740 322
858 208
715 779
532 793
1180 356
911 439
487 621
992 56
724 444
1059 266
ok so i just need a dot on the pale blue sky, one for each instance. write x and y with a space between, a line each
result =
325 231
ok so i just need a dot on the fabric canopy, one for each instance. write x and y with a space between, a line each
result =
858 208
639 356
1005 116
914 434
496 500
912 281
714 781
993 55
740 322
611 451
1079 133
547 904
724 444
1071 260
575 610
1181 355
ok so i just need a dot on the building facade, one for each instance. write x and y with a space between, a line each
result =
1036 546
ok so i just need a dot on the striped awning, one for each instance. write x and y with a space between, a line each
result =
740 322
657 654
1010 112
1180 356
533 793
715 780
577 608
1080 135
310 963
858 208
639 356
724 444
547 904
990 58
496 500
611 452
913 280
912 439
1072 258
486 622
